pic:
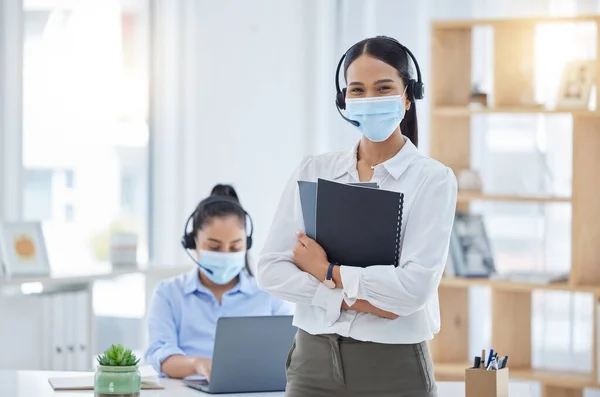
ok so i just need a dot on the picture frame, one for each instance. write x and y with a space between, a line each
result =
470 249
576 84
23 250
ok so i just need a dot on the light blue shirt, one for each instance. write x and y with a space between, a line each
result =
183 315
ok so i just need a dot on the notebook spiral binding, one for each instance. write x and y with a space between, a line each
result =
398 230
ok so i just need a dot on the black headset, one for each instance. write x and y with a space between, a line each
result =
415 88
188 241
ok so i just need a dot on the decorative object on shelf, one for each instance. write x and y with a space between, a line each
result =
470 249
123 250
532 107
101 241
469 180
23 249
117 373
478 97
576 84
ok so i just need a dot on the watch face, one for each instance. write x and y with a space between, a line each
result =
329 283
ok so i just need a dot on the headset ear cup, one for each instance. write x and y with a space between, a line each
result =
248 242
340 99
188 241
418 90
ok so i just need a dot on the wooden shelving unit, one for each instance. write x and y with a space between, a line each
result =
461 111
501 285
513 68
466 197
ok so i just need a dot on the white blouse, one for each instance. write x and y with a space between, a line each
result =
409 290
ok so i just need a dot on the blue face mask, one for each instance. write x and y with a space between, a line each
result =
378 116
221 267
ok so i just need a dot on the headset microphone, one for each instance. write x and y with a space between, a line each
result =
353 122
198 263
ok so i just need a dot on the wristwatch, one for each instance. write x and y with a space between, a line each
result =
329 283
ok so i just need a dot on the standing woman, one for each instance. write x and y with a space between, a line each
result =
366 333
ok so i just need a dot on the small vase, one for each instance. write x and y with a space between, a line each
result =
117 381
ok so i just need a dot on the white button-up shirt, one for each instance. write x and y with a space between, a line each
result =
409 290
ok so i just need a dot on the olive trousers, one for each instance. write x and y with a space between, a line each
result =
332 366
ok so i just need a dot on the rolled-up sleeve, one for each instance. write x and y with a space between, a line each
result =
162 330
406 289
276 271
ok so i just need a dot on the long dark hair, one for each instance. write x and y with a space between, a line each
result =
220 209
388 51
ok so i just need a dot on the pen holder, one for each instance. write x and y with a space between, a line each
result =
480 382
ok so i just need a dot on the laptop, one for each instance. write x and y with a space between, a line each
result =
249 355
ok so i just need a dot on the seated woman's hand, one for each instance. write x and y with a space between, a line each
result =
203 366
310 257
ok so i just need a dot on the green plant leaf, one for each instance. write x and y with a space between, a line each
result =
118 356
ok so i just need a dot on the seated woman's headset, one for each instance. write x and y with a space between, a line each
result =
188 241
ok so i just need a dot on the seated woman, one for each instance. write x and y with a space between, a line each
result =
184 310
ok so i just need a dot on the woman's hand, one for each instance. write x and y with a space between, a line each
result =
366 307
178 366
310 257
203 366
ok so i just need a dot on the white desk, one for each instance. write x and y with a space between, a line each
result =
35 383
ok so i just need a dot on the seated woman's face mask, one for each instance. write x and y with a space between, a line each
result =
378 116
221 267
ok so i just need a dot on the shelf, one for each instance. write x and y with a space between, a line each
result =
456 371
94 274
460 282
465 197
468 23
464 111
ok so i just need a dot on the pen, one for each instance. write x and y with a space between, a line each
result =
493 365
489 361
482 358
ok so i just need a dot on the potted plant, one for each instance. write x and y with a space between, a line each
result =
117 373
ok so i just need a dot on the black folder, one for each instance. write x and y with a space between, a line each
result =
308 201
359 226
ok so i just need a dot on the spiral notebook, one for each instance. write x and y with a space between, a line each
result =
308 202
359 226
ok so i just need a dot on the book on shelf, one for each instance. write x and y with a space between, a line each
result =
87 383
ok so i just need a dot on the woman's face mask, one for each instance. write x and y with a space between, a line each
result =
221 267
378 116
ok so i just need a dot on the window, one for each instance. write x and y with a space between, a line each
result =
69 179
85 94
38 193
69 213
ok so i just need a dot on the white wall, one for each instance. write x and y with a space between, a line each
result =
254 120
236 105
